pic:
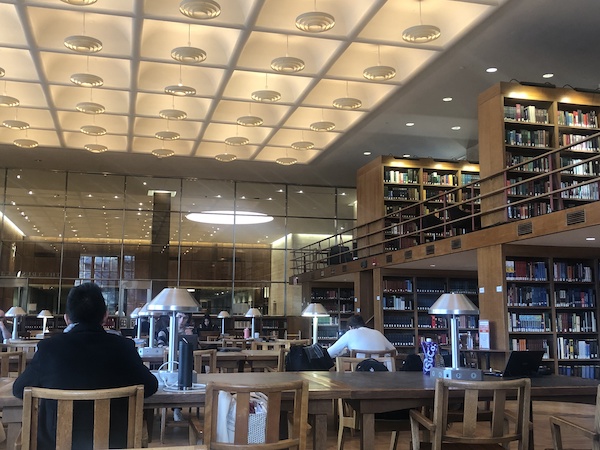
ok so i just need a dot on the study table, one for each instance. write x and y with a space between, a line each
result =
234 361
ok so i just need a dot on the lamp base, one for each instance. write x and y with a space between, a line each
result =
462 373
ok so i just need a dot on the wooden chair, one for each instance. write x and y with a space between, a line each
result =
496 433
244 344
577 425
12 363
64 418
364 354
296 436
348 417
205 361
273 345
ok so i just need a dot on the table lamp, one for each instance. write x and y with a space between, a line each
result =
16 312
254 313
315 310
223 315
135 315
44 314
173 300
455 305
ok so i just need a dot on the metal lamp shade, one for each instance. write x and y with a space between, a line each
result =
315 310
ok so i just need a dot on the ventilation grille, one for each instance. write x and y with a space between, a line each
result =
455 244
430 250
408 254
576 217
524 228
388 258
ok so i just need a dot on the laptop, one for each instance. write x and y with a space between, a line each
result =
520 364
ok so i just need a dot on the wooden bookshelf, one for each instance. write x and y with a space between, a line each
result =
338 299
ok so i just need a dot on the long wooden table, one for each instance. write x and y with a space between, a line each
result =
235 361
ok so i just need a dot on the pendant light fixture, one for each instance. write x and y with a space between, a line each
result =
379 72
323 125
167 135
180 89
15 124
287 161
189 54
7 100
96 148
225 157
25 143
420 34
315 21
82 43
90 107
347 102
162 152
87 79
93 130
250 120
302 145
266 95
172 114
80 2
237 140
200 9
287 64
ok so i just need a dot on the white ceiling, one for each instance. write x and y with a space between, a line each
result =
135 64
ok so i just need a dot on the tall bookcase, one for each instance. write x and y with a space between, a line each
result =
338 300
518 123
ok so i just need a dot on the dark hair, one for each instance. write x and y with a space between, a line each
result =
356 321
207 316
85 304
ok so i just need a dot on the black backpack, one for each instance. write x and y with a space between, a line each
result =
309 357
371 365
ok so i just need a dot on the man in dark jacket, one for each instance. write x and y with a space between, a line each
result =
85 357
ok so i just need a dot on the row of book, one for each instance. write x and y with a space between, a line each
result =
528 323
397 321
432 321
526 113
574 298
526 270
580 370
398 193
400 303
528 138
401 339
590 145
526 188
579 118
576 322
583 167
398 176
392 285
568 348
527 296
580 191
531 209
569 271
531 344
466 178
450 179
530 164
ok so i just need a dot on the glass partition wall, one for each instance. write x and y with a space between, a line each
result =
136 235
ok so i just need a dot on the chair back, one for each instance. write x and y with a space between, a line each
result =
504 426
64 419
247 428
372 353
283 352
12 363
348 363
274 345
205 361
244 344
29 347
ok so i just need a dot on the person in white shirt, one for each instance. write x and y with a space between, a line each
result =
359 337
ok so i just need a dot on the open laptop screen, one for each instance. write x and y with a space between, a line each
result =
523 363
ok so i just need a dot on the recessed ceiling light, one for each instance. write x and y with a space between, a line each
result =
266 95
188 55
590 238
249 121
456 128
15 124
366 153
347 103
548 75
90 108
200 9
86 80
25 143
302 145
322 126
237 140
83 44
379 73
410 124
6 100
229 217
167 135
173 114
93 130
287 161
447 99
315 22
224 157
420 34
180 90
287 64
491 70
95 148
163 152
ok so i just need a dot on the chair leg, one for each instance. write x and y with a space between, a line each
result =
340 440
163 424
556 436
394 440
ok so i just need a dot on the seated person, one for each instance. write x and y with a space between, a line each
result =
206 325
359 337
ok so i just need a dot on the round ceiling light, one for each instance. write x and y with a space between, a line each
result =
250 121
303 145
200 9
90 108
80 2
347 103
237 140
266 95
83 44
379 73
95 148
229 217
420 34
287 64
322 126
15 124
86 80
93 130
26 143
167 135
163 152
180 90
224 157
6 100
173 114
287 161
315 22
188 55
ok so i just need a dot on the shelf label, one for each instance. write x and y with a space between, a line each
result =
498 288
